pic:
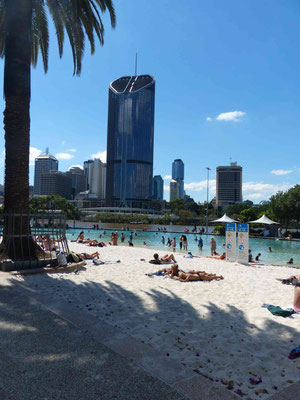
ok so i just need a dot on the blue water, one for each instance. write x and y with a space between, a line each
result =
282 250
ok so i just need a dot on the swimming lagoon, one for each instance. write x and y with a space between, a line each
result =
282 250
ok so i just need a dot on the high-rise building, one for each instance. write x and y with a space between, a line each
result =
98 179
95 171
56 183
43 164
130 136
87 168
174 190
229 185
158 187
178 176
79 180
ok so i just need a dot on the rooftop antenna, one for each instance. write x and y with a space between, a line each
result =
230 159
47 150
135 64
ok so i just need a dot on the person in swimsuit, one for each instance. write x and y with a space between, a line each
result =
213 246
192 275
295 280
221 257
86 256
166 259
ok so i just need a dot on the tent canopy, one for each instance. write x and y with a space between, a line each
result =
263 220
225 218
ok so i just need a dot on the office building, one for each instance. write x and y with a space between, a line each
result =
229 185
56 183
95 171
43 164
98 179
79 180
178 176
87 169
130 135
174 190
158 188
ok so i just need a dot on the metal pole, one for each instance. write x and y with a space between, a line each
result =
208 169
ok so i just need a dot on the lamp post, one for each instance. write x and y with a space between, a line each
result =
208 169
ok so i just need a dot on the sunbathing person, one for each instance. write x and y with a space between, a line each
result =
221 257
192 275
294 280
86 256
166 259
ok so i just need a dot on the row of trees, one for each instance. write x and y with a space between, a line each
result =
283 207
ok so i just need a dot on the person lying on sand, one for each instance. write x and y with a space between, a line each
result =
221 257
166 259
192 275
294 280
86 256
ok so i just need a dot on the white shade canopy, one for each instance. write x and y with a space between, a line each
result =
225 218
263 220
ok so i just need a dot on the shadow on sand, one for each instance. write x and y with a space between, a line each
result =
218 344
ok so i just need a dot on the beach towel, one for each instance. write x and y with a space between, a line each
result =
295 353
278 311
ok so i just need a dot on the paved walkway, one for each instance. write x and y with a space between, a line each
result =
44 357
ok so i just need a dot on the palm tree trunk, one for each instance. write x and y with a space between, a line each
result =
17 120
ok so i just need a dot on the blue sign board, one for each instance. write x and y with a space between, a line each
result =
230 227
243 228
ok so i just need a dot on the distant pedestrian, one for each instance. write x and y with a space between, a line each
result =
213 246
130 241
180 242
184 242
174 244
200 243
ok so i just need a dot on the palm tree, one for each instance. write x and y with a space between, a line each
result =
23 34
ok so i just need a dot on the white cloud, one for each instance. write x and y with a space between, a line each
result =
101 155
72 150
77 166
260 190
63 142
234 116
208 119
198 186
64 156
33 153
166 188
168 177
280 172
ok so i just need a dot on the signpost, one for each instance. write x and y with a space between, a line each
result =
243 243
230 241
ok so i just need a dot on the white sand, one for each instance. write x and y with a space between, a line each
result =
218 328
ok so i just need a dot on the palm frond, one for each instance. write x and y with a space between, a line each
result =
79 18
41 23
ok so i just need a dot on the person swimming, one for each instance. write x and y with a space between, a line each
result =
291 261
257 257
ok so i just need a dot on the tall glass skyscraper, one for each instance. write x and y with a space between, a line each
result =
178 176
130 135
158 187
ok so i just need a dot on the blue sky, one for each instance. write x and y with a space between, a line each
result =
227 86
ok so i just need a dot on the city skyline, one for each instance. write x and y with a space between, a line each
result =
235 97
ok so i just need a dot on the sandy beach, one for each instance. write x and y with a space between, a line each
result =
218 329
